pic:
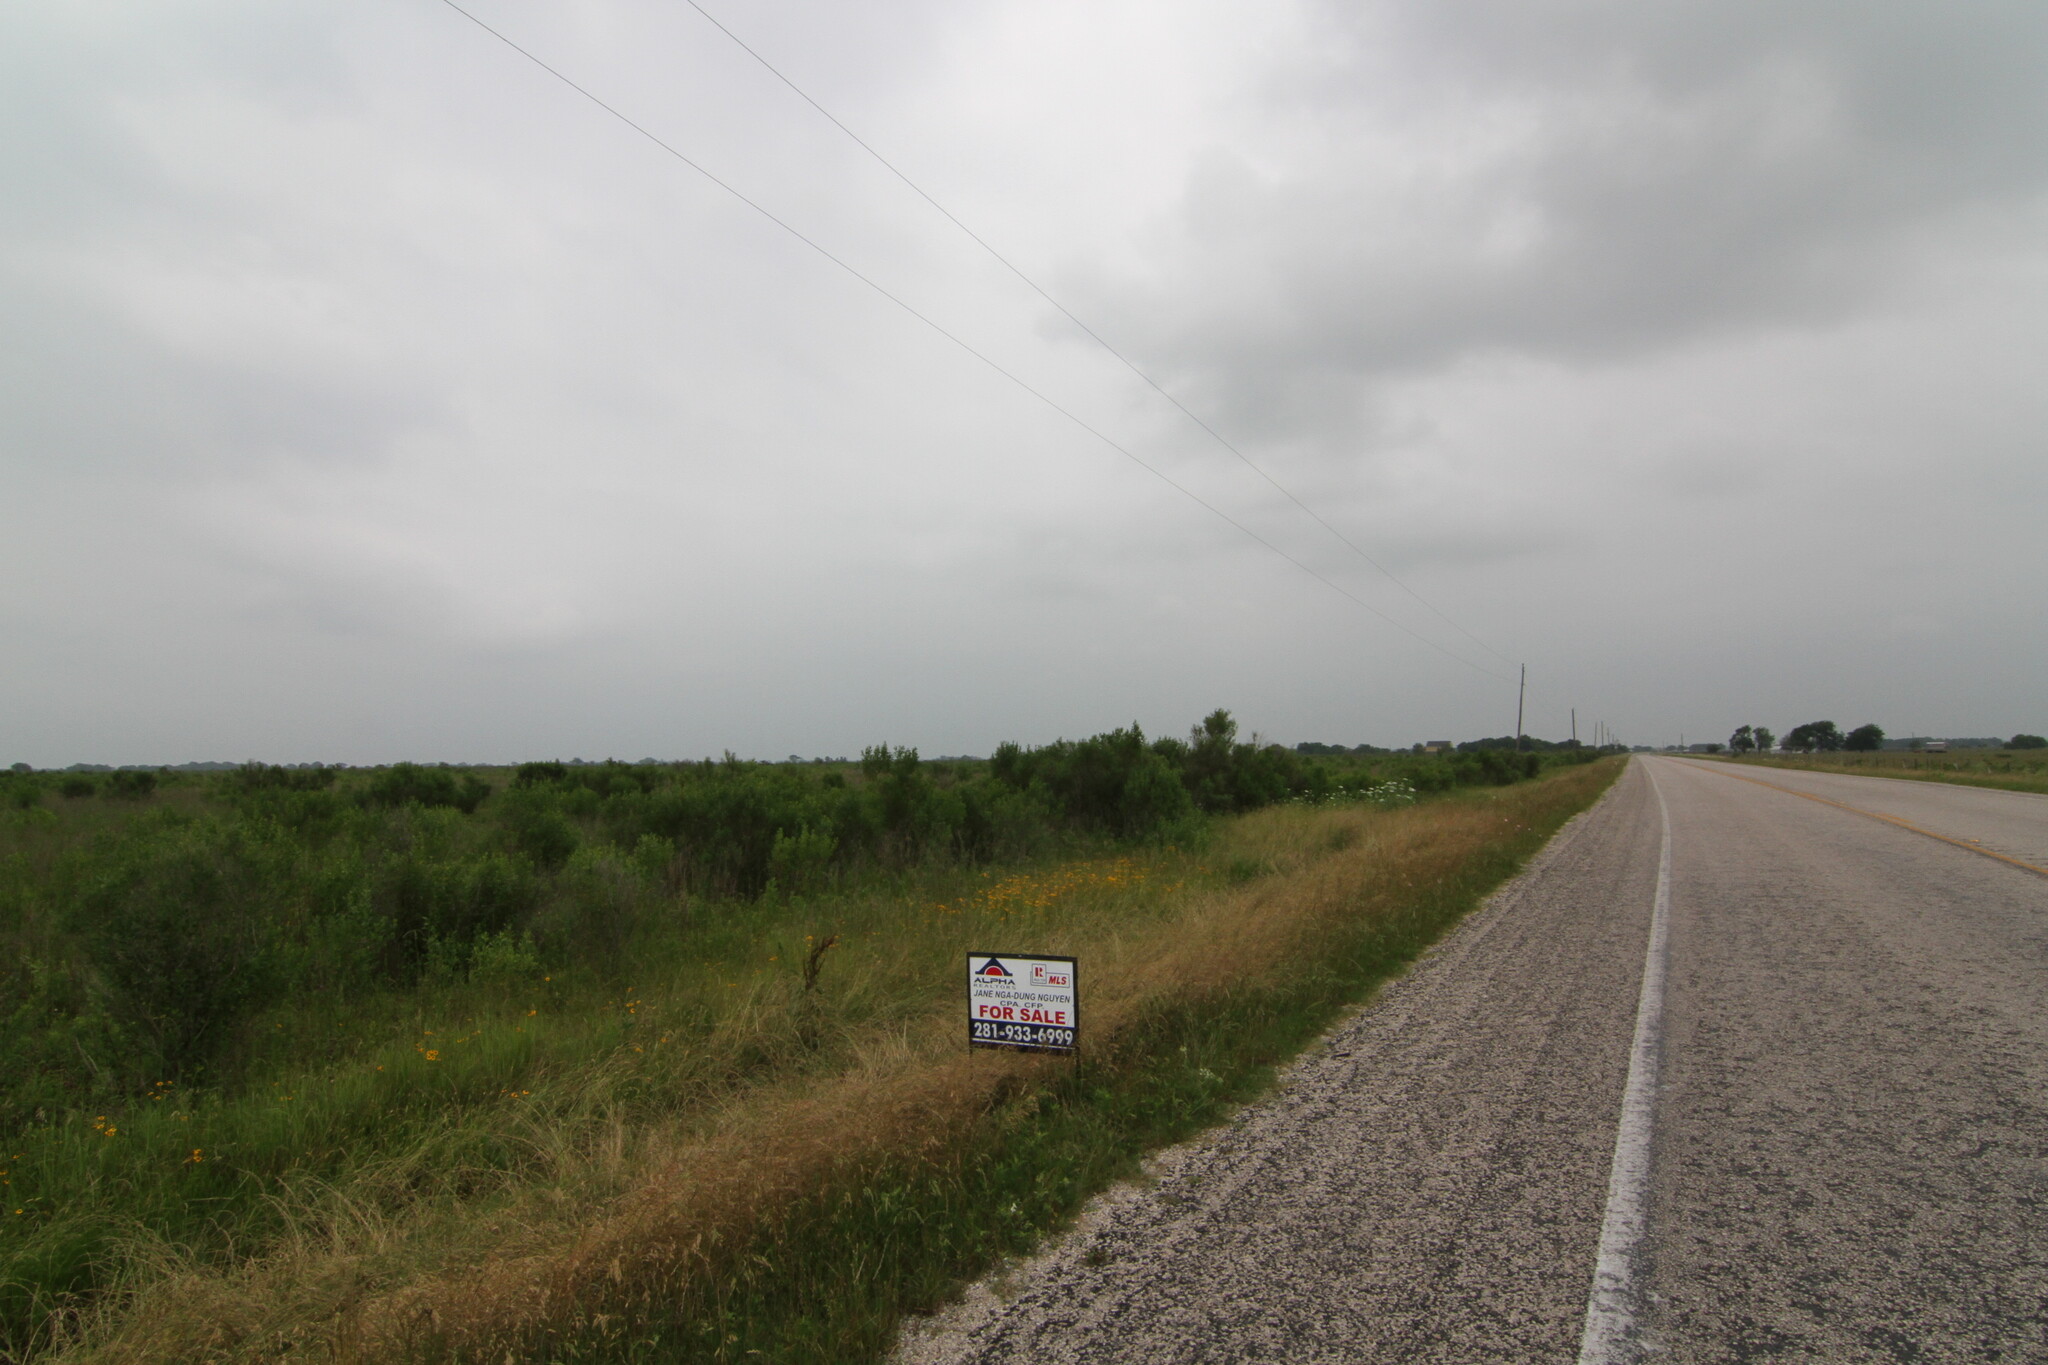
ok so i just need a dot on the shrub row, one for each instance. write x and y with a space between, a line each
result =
143 954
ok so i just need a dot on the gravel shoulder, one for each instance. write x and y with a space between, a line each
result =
1425 1184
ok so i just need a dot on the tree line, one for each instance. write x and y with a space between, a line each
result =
1825 737
139 941
1815 736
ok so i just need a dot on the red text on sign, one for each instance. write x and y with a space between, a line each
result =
1023 1014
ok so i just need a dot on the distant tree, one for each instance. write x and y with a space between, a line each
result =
1527 742
1822 735
131 783
1765 740
404 783
258 777
1206 767
1742 741
1864 739
2027 742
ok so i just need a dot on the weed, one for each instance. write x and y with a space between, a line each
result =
397 1033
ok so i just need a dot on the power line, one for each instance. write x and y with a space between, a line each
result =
1093 335
965 346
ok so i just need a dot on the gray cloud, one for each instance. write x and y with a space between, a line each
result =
369 395
1635 178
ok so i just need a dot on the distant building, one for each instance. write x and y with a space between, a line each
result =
1435 746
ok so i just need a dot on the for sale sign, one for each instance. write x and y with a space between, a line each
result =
1027 1003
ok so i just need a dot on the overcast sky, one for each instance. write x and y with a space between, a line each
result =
368 393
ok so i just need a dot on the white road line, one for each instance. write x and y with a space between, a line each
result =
1611 1335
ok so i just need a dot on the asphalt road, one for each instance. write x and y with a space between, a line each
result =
1844 1115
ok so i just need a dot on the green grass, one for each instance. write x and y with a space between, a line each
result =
398 1108
829 1277
836 1159
833 1281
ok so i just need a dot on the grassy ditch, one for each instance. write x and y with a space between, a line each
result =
742 1160
2015 770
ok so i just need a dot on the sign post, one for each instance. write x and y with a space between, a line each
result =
1030 1004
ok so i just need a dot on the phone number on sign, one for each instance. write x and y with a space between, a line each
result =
1023 1035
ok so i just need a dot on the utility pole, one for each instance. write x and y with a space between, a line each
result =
1575 727
1520 692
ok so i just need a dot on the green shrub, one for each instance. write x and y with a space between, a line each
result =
504 959
263 777
537 827
179 922
58 1045
1112 784
800 863
410 784
599 905
426 899
1493 767
343 950
170 934
131 784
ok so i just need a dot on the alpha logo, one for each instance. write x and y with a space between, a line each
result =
994 968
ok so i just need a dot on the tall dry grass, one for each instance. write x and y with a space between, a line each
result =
807 1193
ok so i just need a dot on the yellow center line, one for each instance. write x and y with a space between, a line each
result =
1971 844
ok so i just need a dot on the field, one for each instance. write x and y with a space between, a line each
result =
656 1063
2019 770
